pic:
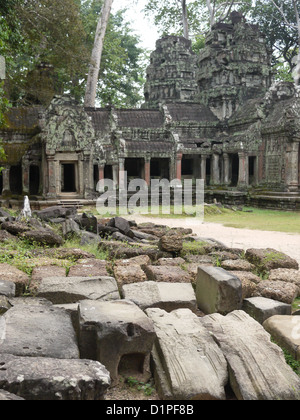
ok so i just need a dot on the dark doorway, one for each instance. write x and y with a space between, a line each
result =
252 170
68 178
235 168
108 172
134 167
34 180
160 168
208 171
187 167
15 180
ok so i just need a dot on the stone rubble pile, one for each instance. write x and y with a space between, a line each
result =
201 313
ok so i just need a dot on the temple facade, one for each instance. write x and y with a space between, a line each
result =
215 115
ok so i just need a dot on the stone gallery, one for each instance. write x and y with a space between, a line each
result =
216 115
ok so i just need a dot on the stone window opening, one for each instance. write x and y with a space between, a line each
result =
132 364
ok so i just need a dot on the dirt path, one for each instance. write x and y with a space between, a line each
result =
235 238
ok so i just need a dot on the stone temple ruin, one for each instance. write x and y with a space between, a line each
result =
215 116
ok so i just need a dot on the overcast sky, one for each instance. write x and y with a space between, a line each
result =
142 26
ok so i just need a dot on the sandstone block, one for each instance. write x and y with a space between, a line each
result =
285 329
270 259
163 295
261 308
119 335
50 379
257 367
218 290
188 363
10 273
73 289
165 273
277 290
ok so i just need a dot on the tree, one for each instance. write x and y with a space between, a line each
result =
94 67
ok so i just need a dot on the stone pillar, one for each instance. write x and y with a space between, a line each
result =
179 166
203 167
101 166
292 167
226 169
147 170
216 169
51 176
122 185
25 176
243 169
115 171
5 180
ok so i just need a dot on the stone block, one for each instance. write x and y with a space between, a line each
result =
49 379
287 275
119 335
165 273
7 288
285 329
61 290
277 290
188 363
270 259
89 268
261 308
163 295
257 367
129 274
38 331
218 290
13 274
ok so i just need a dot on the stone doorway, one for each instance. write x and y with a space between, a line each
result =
34 180
69 178
235 168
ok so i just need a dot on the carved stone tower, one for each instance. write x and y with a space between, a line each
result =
234 66
171 74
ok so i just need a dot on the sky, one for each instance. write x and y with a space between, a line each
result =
141 25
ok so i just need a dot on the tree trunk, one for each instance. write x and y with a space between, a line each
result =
185 20
94 68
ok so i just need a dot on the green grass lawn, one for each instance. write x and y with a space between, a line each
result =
270 220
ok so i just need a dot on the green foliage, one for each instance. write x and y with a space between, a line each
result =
147 388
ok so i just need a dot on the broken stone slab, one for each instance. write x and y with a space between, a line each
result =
261 308
61 290
122 225
39 273
7 288
285 329
277 290
89 268
13 274
218 290
163 295
38 331
43 237
118 250
117 334
70 228
257 367
164 273
47 379
188 363
249 282
171 261
270 259
88 238
171 242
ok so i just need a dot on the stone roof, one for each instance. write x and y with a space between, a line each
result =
23 119
140 118
191 112
100 118
143 147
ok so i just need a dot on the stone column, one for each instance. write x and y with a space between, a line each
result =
216 169
243 169
101 166
147 170
5 180
203 167
51 176
122 185
226 169
115 171
25 176
292 167
179 166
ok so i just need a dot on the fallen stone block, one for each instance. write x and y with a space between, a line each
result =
257 367
165 273
237 265
73 289
89 268
4 304
38 331
129 274
43 237
218 290
261 308
55 212
277 290
163 295
287 275
13 274
285 330
7 396
270 259
39 273
7 288
50 379
119 335
188 363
